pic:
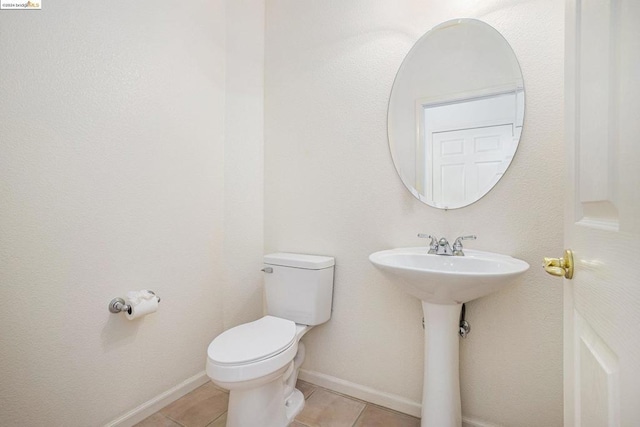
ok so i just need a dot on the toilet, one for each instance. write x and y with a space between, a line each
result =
258 362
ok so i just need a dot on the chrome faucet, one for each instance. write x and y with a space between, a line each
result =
433 245
457 245
442 247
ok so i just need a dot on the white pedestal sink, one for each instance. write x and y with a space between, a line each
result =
443 283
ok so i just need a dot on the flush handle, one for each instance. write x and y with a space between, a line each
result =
267 270
561 267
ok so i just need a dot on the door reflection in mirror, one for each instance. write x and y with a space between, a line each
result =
465 146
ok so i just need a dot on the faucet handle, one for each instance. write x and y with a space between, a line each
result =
433 244
459 239
457 245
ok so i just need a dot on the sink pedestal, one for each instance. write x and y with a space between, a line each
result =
443 283
441 389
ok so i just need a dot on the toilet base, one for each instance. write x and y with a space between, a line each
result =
268 401
264 405
294 404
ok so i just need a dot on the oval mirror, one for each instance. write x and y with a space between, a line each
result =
455 113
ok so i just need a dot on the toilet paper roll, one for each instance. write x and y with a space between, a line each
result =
141 307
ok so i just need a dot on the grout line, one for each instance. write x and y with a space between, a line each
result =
217 388
393 411
168 417
311 394
359 415
346 396
343 396
217 418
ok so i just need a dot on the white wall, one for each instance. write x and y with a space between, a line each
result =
244 160
113 177
331 188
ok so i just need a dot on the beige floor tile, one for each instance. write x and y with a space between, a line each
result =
375 416
221 421
198 408
306 388
296 424
326 409
157 420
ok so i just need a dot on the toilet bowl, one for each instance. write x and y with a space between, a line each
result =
258 362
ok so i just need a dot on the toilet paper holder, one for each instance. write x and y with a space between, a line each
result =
118 305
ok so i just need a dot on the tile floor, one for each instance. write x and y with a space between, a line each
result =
207 406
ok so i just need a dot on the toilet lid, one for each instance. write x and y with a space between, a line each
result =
252 341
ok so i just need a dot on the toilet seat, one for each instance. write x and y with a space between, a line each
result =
253 341
252 350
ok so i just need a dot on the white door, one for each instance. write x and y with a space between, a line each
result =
602 225
467 163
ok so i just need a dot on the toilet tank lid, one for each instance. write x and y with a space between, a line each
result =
310 262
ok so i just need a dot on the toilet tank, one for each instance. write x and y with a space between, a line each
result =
299 287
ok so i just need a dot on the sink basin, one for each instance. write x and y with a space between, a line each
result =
442 279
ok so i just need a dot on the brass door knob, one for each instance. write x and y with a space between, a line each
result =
560 266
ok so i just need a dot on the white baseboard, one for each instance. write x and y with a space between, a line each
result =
377 397
388 400
152 406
